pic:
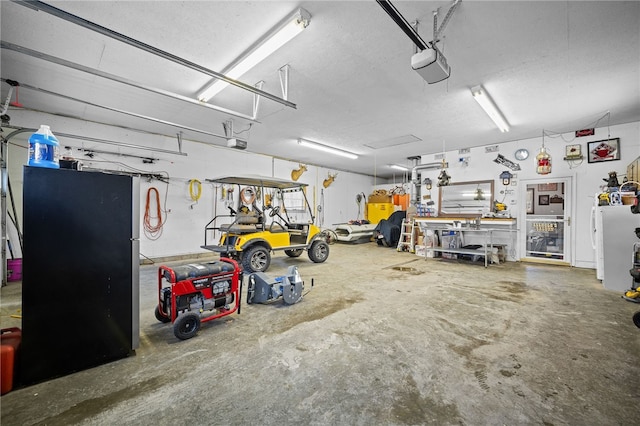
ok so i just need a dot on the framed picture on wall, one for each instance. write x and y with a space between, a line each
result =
543 200
530 198
605 150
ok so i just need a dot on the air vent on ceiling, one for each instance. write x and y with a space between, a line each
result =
386 143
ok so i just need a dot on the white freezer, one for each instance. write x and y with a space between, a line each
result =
614 239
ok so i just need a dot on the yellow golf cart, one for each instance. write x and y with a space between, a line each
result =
269 215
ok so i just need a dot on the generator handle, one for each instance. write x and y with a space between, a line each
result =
239 272
240 279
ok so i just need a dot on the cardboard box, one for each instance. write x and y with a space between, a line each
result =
420 250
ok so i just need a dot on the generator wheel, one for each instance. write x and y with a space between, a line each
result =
636 319
186 326
293 253
319 251
256 259
160 316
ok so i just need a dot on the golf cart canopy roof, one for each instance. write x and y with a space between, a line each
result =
255 180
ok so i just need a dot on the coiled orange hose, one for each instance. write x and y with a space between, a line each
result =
151 230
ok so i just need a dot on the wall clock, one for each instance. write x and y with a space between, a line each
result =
521 154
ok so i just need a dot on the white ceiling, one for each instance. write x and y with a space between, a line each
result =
551 65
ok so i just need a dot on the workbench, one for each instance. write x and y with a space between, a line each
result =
457 228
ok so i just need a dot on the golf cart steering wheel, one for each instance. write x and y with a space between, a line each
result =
275 211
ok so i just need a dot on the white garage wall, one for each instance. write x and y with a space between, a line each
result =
183 231
587 177
184 228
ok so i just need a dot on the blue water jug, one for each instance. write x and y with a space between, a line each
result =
44 149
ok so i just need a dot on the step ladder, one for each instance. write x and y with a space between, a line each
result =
407 236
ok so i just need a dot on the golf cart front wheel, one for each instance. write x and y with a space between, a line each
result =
319 251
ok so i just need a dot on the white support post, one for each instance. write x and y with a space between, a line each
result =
179 135
256 99
284 81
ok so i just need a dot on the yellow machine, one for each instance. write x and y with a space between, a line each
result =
603 199
281 221
499 207
378 211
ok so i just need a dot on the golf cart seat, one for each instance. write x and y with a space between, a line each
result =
237 228
298 228
245 223
250 218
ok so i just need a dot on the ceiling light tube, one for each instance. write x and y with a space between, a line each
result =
265 46
483 98
397 167
325 148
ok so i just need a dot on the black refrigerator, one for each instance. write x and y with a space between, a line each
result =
80 286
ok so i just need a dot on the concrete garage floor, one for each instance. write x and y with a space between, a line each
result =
444 343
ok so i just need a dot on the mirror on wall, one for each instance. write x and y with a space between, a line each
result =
466 199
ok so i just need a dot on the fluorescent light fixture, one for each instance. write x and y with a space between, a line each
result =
269 43
397 167
325 148
483 98
474 194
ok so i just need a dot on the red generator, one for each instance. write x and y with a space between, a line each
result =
197 293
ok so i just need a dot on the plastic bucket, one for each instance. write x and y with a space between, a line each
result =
14 269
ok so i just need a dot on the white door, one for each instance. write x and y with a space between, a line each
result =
545 231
